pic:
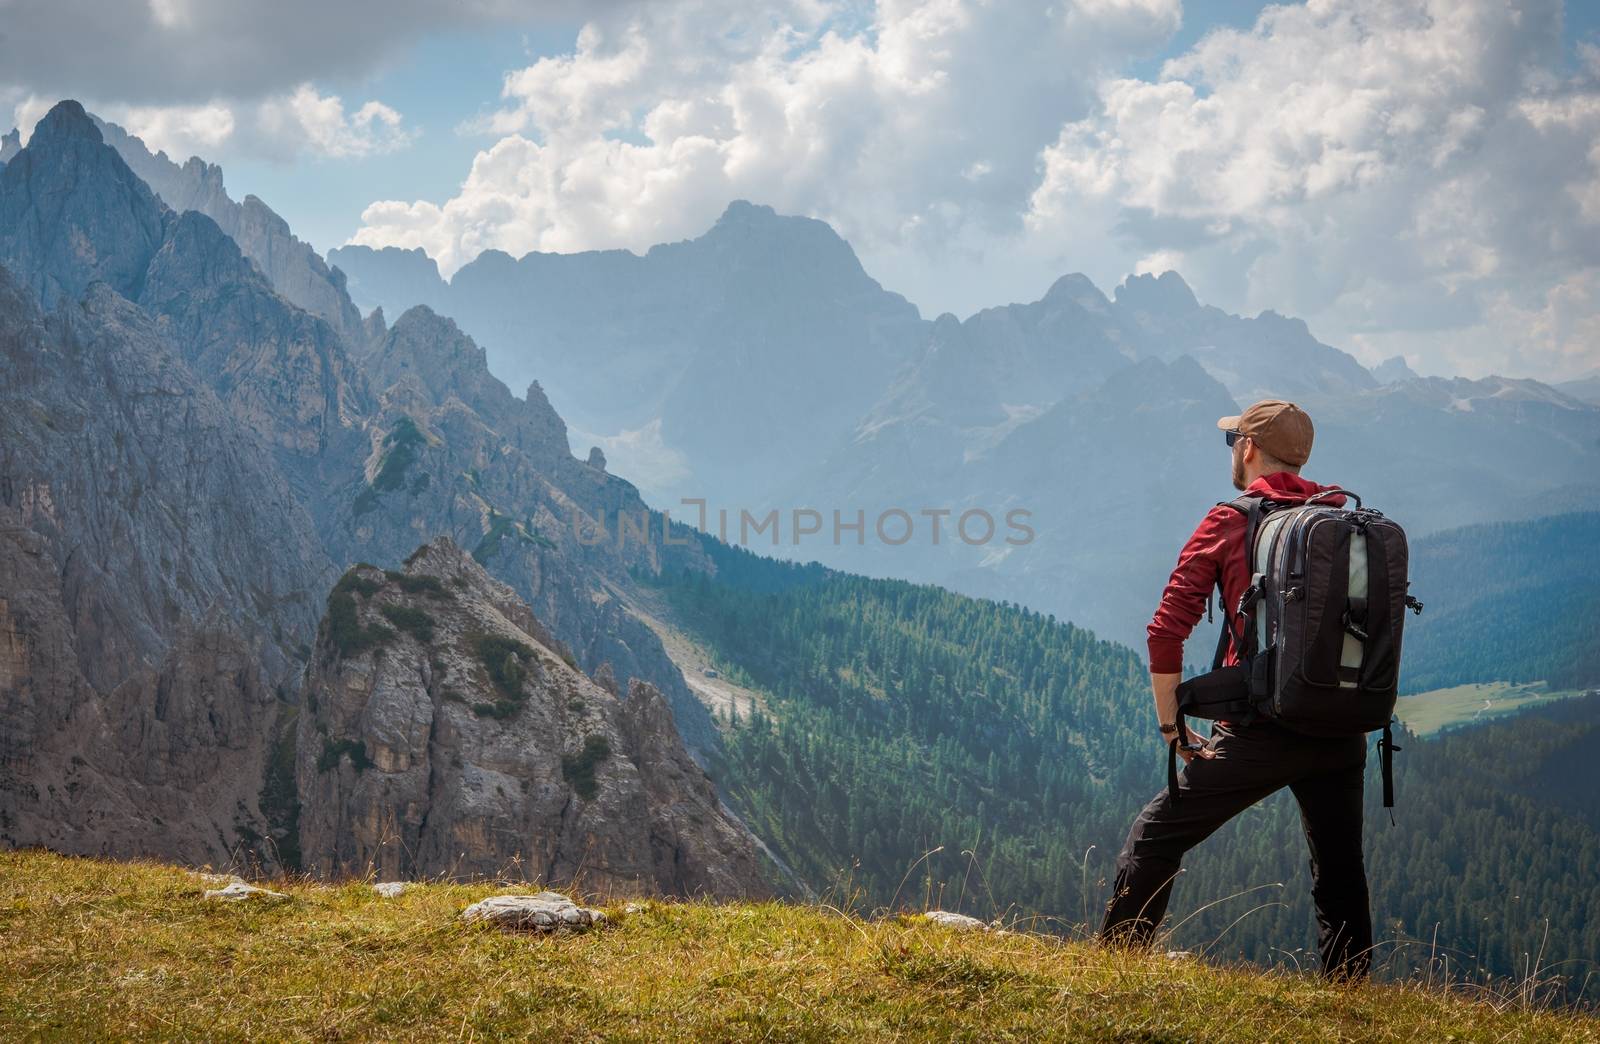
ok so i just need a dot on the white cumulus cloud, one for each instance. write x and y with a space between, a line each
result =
319 124
911 124
179 130
1394 170
303 122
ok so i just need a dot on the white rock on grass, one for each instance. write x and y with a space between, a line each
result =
220 880
542 912
960 922
238 891
390 889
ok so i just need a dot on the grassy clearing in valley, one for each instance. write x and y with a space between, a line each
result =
1437 709
92 949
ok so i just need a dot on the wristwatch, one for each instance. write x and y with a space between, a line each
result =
1170 729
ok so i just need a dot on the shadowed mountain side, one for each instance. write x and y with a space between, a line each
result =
71 214
292 267
159 575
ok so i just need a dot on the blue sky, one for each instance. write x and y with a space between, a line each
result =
440 84
1414 177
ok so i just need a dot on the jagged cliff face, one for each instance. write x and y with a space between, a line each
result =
157 570
453 452
444 734
157 504
292 267
184 457
284 372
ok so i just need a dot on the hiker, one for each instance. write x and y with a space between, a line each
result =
1253 756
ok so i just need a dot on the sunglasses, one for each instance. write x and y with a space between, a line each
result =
1233 436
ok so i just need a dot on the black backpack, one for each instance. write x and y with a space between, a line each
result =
1318 630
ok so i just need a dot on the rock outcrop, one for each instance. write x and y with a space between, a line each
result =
239 891
453 452
446 733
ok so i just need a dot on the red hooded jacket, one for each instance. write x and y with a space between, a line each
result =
1215 551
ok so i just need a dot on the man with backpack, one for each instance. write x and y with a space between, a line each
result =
1307 664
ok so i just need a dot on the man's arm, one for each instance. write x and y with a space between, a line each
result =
1182 604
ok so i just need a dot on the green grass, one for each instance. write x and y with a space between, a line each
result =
132 951
506 661
1438 709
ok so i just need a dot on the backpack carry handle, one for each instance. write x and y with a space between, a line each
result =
1333 493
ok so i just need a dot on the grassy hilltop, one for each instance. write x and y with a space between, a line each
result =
94 949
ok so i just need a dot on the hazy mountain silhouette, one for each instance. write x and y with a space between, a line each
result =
758 341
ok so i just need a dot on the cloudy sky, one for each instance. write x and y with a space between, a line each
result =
1416 177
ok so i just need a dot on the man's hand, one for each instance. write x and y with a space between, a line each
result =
1165 689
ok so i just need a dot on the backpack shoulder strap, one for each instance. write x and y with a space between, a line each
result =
1254 509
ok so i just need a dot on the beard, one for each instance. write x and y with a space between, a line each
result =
1238 472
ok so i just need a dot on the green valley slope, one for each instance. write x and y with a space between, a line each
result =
1512 601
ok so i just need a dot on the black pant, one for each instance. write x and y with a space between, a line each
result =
1326 776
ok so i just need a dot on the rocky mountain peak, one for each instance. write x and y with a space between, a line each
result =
1163 294
1079 289
744 212
72 213
786 243
430 350
1393 369
10 145
200 170
66 119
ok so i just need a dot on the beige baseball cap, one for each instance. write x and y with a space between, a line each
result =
1280 428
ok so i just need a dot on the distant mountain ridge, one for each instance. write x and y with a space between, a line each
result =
1094 413
761 339
759 366
691 332
1585 388
293 267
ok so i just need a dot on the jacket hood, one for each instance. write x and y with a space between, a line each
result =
1288 488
